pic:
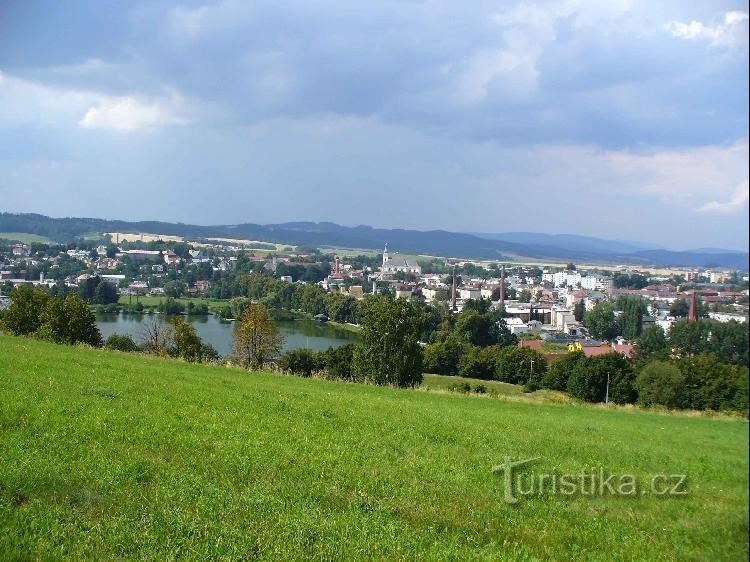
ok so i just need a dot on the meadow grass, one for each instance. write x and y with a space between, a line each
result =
107 455
147 300
24 237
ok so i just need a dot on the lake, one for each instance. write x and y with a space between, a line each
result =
299 333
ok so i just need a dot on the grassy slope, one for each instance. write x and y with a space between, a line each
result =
108 455
23 237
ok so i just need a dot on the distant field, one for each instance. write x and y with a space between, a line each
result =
154 301
24 237
353 252
249 243
113 456
119 237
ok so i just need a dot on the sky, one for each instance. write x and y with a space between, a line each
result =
619 119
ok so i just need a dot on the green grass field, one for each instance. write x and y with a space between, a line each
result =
213 304
24 237
112 456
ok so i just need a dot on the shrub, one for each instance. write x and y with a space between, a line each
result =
121 343
185 341
460 387
559 371
171 306
69 321
478 363
588 381
710 384
338 361
513 365
23 315
443 357
300 362
660 382
196 309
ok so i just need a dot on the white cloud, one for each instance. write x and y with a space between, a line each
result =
511 69
128 114
695 176
23 101
737 202
731 31
191 23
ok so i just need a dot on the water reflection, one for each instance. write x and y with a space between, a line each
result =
297 333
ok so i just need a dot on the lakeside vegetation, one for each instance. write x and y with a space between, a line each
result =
108 455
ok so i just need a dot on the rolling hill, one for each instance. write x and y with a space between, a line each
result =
434 242
107 456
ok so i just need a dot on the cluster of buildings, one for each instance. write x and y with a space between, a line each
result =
542 301
553 299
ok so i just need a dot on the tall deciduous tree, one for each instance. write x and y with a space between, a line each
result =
660 382
652 343
105 293
186 343
69 321
601 321
514 365
23 316
588 381
389 352
256 339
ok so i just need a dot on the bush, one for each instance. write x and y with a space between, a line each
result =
24 314
338 361
513 365
121 343
443 357
478 363
588 381
69 321
460 387
559 371
660 382
480 389
710 384
186 343
208 353
171 306
300 362
196 309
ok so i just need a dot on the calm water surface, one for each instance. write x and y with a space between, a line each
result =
213 330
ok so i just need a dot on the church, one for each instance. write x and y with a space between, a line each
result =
392 265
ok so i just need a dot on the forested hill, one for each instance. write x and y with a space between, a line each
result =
435 242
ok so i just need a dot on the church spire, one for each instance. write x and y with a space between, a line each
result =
385 253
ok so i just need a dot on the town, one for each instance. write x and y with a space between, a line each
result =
555 304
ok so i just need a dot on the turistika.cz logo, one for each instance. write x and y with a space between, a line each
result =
519 482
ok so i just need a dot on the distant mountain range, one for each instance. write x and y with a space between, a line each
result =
507 246
573 242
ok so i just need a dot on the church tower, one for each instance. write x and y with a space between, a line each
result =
385 253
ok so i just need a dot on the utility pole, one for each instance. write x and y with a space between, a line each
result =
606 395
531 371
